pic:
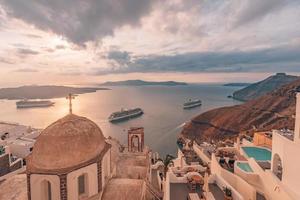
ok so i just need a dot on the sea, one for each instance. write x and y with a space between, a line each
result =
163 119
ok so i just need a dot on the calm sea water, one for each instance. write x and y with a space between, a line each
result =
163 118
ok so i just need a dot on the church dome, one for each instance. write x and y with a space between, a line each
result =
68 143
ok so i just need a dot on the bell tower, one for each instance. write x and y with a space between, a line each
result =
136 139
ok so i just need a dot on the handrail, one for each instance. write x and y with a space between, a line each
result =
157 194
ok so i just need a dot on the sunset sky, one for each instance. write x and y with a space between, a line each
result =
89 41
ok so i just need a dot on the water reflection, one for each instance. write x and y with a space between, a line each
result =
163 118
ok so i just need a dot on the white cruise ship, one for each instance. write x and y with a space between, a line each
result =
32 104
192 103
125 114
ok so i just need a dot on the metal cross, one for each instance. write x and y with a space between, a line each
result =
70 97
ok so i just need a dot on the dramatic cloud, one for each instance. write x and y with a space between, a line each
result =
151 35
286 58
77 20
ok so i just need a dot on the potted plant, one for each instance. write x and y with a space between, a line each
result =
227 193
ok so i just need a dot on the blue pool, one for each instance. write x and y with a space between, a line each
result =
244 166
259 154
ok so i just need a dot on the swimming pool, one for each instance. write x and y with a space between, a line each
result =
259 154
244 166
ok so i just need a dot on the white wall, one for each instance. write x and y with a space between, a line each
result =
106 174
223 183
269 184
289 152
21 151
247 191
297 121
167 194
250 177
72 181
36 186
201 154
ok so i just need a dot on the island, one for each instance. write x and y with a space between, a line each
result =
263 87
142 83
43 91
237 84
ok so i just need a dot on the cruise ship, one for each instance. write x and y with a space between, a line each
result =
125 114
192 103
32 104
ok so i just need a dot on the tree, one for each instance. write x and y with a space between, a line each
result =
167 161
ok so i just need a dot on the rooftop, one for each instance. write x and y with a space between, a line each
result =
14 188
14 130
180 191
191 157
23 142
216 191
67 143
121 188
289 134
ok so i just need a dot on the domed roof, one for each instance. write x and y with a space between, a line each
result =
68 142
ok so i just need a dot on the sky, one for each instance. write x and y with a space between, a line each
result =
91 41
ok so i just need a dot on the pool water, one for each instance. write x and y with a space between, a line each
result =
259 154
244 166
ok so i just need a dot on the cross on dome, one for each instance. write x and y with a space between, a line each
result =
70 97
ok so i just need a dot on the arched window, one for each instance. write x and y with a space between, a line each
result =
46 190
277 166
83 185
135 143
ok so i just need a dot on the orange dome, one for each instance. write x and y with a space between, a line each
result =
67 143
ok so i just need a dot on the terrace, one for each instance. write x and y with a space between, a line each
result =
227 157
289 134
179 191
187 153
216 191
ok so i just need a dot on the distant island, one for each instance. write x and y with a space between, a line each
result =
237 84
43 92
142 83
263 87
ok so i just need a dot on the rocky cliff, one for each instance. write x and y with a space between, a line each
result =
258 89
274 110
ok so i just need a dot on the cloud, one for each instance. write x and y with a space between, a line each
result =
79 21
49 50
122 58
60 47
22 70
279 58
253 10
32 35
23 51
6 61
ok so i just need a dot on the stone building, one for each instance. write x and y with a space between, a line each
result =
70 160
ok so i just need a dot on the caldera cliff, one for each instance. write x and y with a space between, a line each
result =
274 110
